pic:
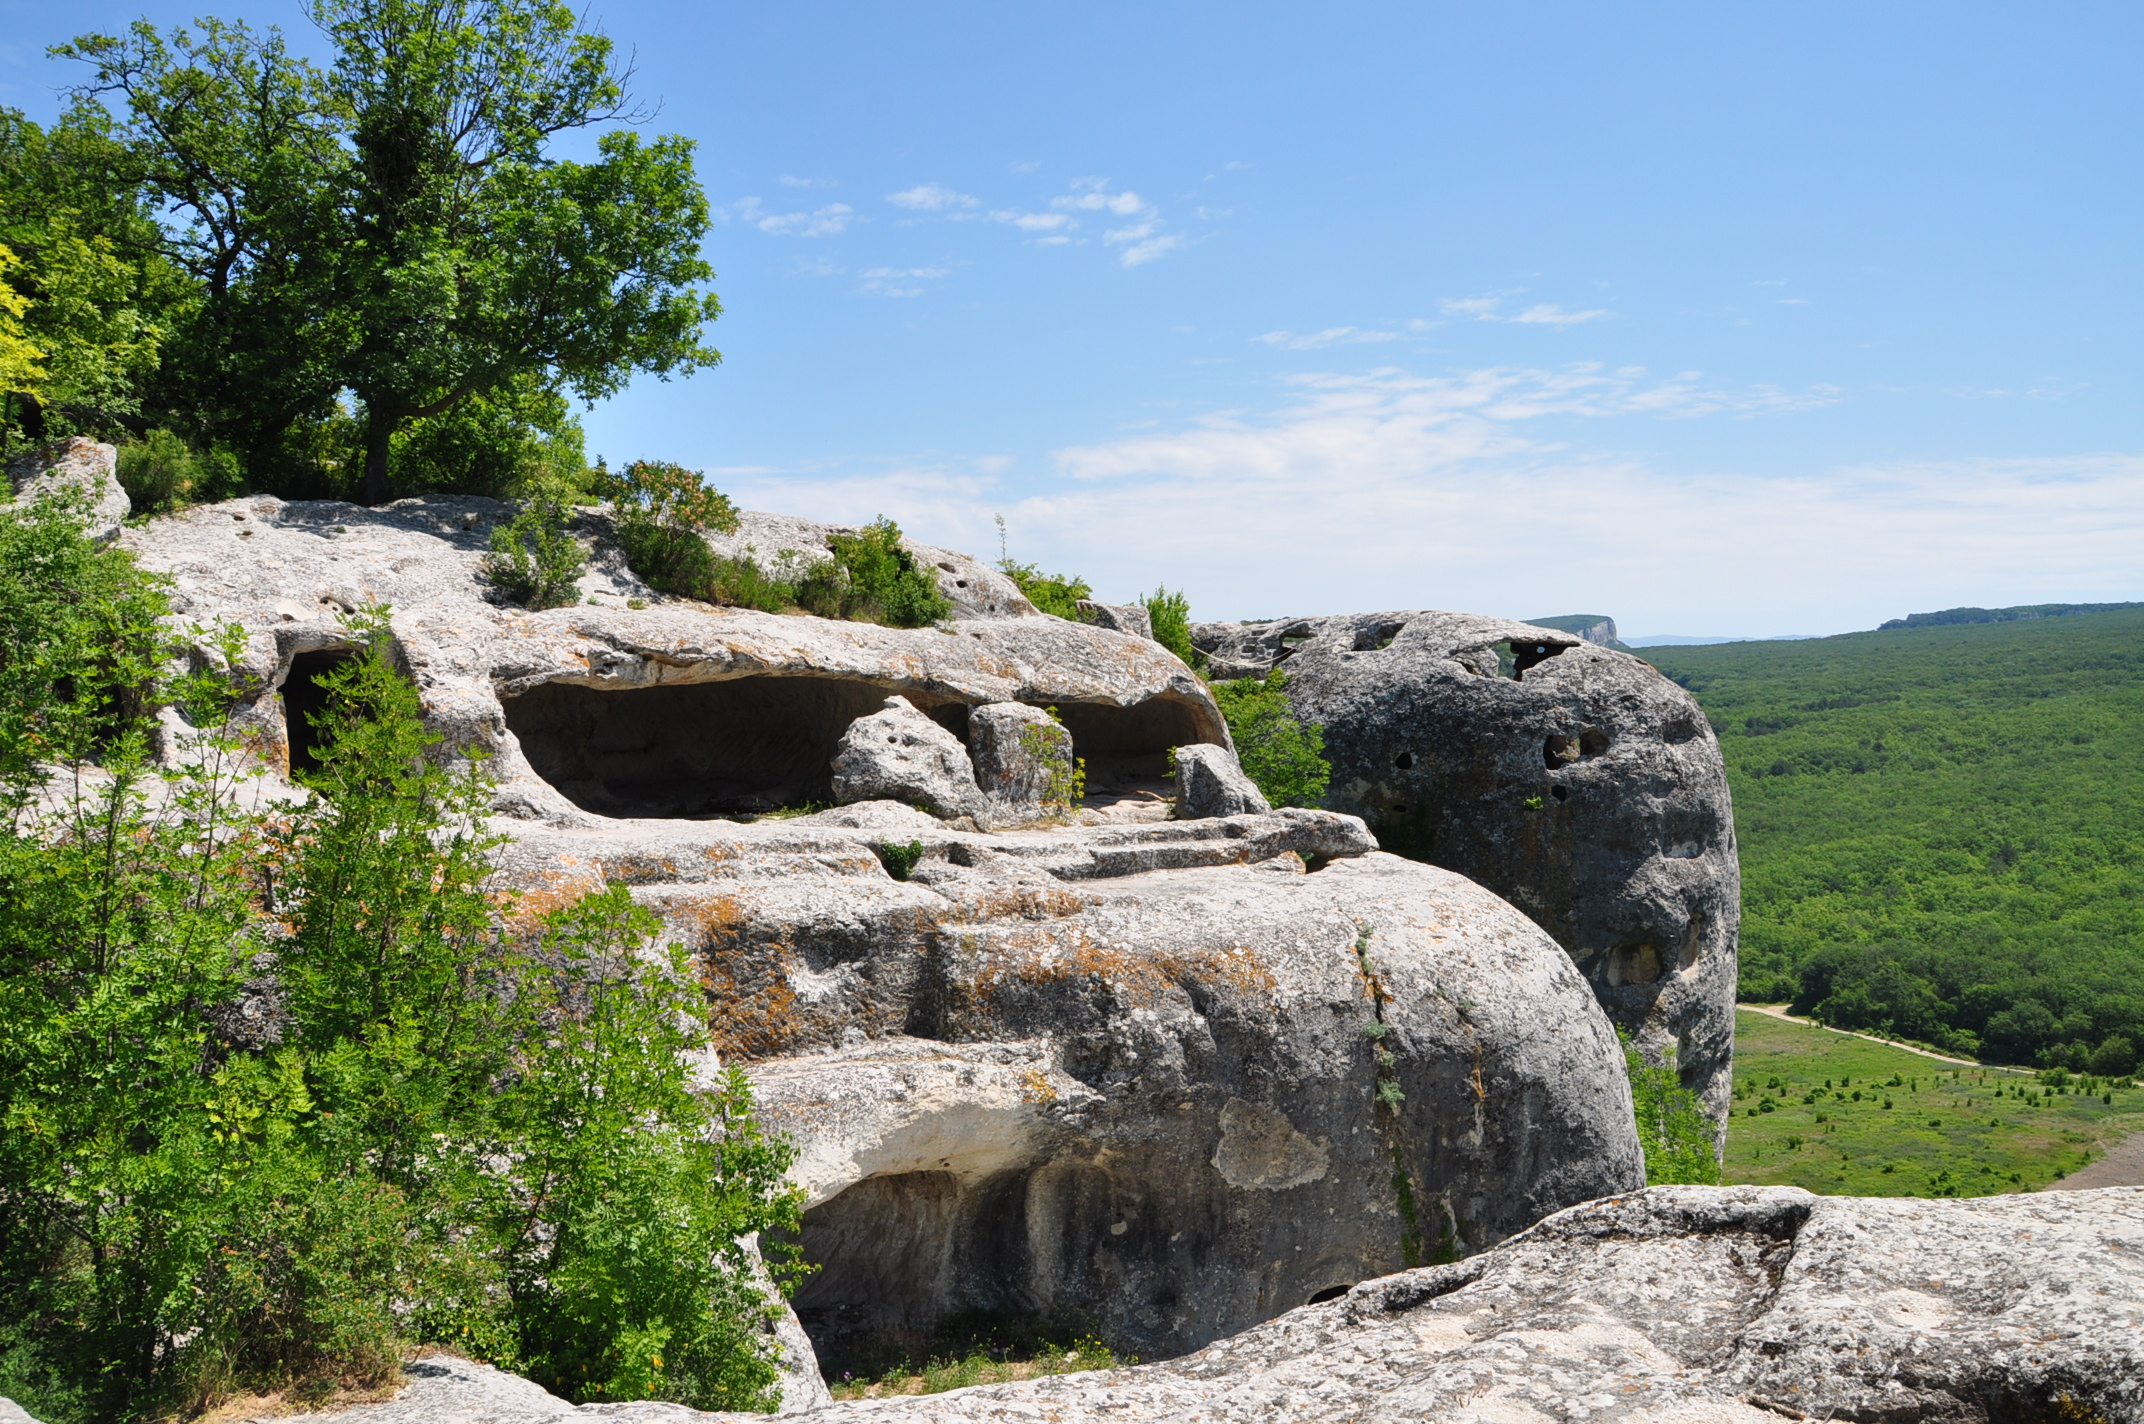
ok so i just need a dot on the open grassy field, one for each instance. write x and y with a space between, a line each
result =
1853 1118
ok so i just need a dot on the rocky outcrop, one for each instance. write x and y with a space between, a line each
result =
1122 617
898 754
786 546
602 709
1124 1075
76 468
1678 1305
1163 1078
1576 782
1210 782
1023 761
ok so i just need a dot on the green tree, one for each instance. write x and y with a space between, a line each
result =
396 227
872 579
1057 594
1283 754
1680 1141
1170 614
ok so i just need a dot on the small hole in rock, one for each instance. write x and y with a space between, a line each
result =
1561 793
1559 750
304 699
1399 810
947 567
1329 1293
1404 761
1592 742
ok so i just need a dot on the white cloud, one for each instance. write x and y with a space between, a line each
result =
932 198
820 222
1092 195
898 281
1152 248
1390 490
1033 222
1331 336
1547 314
790 180
1480 308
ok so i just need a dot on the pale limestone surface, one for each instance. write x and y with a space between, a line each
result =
80 467
898 754
1677 1305
1575 781
1210 782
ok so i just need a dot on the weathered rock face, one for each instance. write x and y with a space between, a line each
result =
1112 1074
675 709
1020 755
898 754
785 546
1576 782
1678 1305
1123 617
81 468
1210 782
1119 1076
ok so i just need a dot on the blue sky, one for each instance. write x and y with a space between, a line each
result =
1750 319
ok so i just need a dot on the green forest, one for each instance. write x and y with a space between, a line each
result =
1940 830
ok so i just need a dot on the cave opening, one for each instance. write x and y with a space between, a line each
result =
305 697
760 743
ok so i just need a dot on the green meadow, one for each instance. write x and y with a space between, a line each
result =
1847 1117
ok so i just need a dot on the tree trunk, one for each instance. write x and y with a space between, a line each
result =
377 433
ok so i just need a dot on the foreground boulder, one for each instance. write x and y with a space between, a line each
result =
1575 781
1678 1305
1160 1079
899 754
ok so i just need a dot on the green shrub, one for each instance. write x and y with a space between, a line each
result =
872 579
480 1132
534 560
1057 594
899 857
1064 776
1672 1126
1283 755
160 472
1171 617
661 510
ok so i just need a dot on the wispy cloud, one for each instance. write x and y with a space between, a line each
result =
1549 314
1397 491
898 281
1092 195
790 180
1032 222
932 198
1331 336
1488 308
820 222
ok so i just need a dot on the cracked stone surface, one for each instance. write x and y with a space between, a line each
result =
1575 781
1675 1305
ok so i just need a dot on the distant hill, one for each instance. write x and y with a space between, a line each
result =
1940 826
1951 616
1593 627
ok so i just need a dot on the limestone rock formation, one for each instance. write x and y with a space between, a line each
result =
1123 617
83 469
1677 1305
1576 782
1210 782
1120 1074
898 754
1022 759
602 709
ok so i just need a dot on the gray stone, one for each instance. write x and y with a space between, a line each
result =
1574 781
1210 782
76 468
1130 618
1023 758
898 754
602 709
1120 1073
1677 1305
13 1413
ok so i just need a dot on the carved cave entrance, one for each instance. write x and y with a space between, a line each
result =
748 744
305 698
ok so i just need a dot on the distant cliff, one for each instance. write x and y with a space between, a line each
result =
1981 615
